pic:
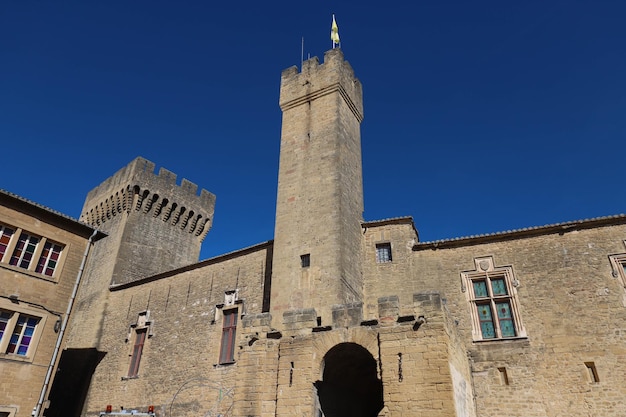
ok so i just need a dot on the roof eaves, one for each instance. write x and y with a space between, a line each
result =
191 267
16 201
562 227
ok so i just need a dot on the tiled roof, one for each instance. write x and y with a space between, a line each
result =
40 207
401 219
526 231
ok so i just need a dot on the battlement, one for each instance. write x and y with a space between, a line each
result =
142 171
316 80
137 187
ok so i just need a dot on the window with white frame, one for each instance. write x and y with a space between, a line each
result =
491 292
5 237
21 249
24 250
383 252
49 258
18 332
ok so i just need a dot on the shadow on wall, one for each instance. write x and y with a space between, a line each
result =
71 382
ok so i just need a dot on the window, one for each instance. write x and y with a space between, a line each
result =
49 258
17 332
492 295
592 373
229 330
7 411
138 332
383 252
24 250
305 260
5 238
19 248
140 339
618 263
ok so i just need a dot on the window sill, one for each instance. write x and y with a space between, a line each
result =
501 340
33 274
217 365
15 357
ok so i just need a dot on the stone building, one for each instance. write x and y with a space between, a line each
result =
337 316
42 253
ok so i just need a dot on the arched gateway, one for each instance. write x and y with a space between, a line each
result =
350 386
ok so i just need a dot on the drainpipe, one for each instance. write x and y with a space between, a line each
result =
57 347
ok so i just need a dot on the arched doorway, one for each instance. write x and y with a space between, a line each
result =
350 386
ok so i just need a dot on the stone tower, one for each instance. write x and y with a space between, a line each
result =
156 225
317 238
153 225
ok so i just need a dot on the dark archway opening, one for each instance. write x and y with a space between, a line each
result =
71 382
350 386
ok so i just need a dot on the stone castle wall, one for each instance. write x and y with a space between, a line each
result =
179 367
349 331
571 308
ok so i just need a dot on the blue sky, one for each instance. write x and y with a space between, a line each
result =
480 116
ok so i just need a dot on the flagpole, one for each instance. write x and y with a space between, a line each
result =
334 33
302 55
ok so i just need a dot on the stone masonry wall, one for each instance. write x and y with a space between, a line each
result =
570 307
23 377
384 279
320 198
159 215
179 369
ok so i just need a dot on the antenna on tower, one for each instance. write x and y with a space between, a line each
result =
302 55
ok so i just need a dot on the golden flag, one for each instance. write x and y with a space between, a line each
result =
334 32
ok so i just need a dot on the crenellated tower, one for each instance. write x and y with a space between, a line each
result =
153 226
317 243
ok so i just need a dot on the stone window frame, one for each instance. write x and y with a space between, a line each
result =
618 265
485 270
384 252
39 253
16 311
7 411
232 305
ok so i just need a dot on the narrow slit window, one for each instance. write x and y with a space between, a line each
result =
229 331
504 376
305 260
140 339
592 372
